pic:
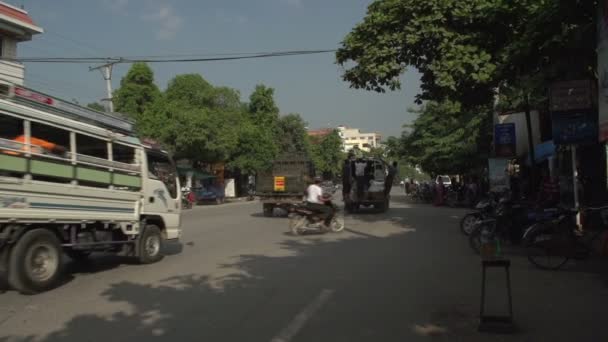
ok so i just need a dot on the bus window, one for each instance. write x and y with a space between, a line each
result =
10 128
48 140
123 154
161 168
91 147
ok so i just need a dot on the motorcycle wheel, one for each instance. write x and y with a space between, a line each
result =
337 224
475 237
467 224
296 222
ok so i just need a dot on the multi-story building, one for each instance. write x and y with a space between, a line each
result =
15 26
352 137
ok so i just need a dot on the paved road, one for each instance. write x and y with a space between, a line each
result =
239 277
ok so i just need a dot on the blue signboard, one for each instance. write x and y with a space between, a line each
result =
574 127
504 140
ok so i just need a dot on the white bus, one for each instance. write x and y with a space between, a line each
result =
75 180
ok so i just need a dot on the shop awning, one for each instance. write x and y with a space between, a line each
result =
199 174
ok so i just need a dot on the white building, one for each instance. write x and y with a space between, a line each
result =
15 26
352 137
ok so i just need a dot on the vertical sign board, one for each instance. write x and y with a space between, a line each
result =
504 140
602 68
574 127
279 183
572 114
497 169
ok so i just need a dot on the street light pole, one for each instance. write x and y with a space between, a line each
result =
106 73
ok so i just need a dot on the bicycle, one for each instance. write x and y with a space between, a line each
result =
551 244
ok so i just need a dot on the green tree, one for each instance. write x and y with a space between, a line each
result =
255 150
262 106
191 90
194 119
465 49
96 106
292 134
327 155
137 91
445 139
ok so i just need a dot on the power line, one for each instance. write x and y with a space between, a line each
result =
116 60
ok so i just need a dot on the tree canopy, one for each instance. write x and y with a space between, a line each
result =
194 119
467 51
137 91
262 106
327 155
444 138
464 49
292 135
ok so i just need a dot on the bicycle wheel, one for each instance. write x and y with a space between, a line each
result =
544 255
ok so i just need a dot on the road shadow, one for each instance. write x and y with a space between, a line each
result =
384 288
96 263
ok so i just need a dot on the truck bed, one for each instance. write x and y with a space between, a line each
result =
26 201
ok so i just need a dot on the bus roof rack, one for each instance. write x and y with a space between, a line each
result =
26 96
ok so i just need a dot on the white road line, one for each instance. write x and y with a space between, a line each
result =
298 322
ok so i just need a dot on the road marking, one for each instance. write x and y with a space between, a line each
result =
298 322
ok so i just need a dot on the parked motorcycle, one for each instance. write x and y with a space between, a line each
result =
508 224
483 211
303 220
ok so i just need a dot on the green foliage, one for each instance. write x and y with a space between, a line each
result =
96 106
376 152
327 155
444 139
262 106
292 135
137 91
255 150
191 132
465 49
195 120
410 172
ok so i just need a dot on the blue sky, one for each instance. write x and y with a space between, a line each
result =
309 85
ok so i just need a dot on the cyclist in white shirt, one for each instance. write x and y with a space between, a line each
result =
316 202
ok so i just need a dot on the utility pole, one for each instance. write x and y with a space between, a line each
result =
106 73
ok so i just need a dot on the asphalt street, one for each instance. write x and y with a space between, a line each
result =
405 275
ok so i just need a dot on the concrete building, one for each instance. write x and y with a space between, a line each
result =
352 137
318 134
16 26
